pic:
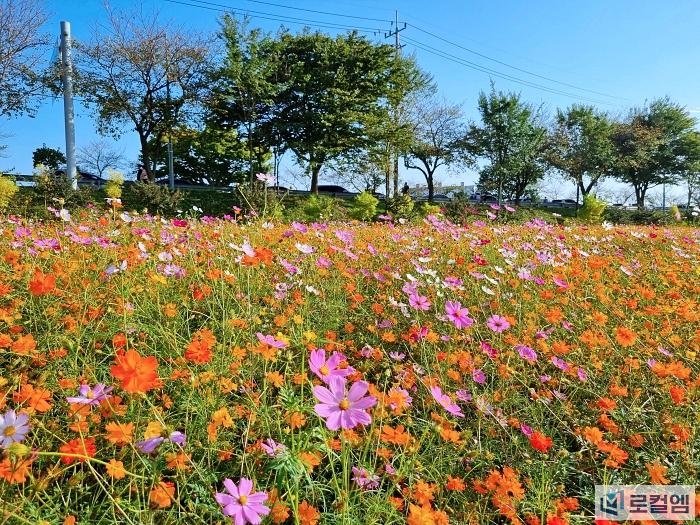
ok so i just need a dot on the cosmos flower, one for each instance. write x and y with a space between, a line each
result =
498 323
241 504
418 302
343 409
92 396
327 368
458 315
13 428
272 448
364 479
270 340
446 401
526 353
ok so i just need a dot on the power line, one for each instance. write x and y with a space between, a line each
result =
498 74
272 16
318 12
438 37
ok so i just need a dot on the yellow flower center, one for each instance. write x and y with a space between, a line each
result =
243 500
90 394
324 370
344 404
9 431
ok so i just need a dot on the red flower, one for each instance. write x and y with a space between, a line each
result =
540 442
42 284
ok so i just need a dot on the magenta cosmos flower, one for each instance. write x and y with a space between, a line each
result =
91 395
446 401
498 323
419 302
240 505
343 409
458 315
327 368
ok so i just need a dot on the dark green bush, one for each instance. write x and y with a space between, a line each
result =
154 198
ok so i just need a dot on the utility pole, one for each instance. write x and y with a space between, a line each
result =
397 48
68 111
171 169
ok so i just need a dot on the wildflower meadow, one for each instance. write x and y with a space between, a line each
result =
201 370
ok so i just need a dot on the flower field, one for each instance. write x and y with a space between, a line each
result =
205 371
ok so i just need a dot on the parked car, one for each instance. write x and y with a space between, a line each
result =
561 203
328 188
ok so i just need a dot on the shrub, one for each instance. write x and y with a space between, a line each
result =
400 206
113 188
153 198
592 210
322 207
364 206
8 189
56 190
423 209
257 200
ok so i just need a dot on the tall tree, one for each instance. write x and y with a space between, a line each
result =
98 156
438 130
211 156
691 172
513 142
581 146
245 89
331 89
21 43
140 72
651 146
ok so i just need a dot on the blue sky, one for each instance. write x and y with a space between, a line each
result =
627 51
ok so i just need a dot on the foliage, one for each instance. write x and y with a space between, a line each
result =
616 215
592 210
54 190
323 207
210 156
364 206
512 140
144 74
154 198
258 201
652 146
8 189
581 146
21 54
115 181
423 209
400 206
51 158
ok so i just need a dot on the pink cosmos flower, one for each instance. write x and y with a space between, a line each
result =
343 409
526 353
498 323
364 479
478 376
91 395
458 315
272 448
418 302
240 505
13 428
327 368
270 340
446 401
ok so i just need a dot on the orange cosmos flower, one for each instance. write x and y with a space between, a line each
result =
307 514
540 442
625 337
82 447
115 469
42 284
162 494
137 374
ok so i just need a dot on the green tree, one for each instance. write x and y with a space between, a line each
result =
581 146
438 131
331 91
142 73
513 142
245 89
51 158
211 156
652 146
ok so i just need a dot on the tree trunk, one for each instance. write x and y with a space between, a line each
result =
431 186
639 193
315 170
396 173
146 157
